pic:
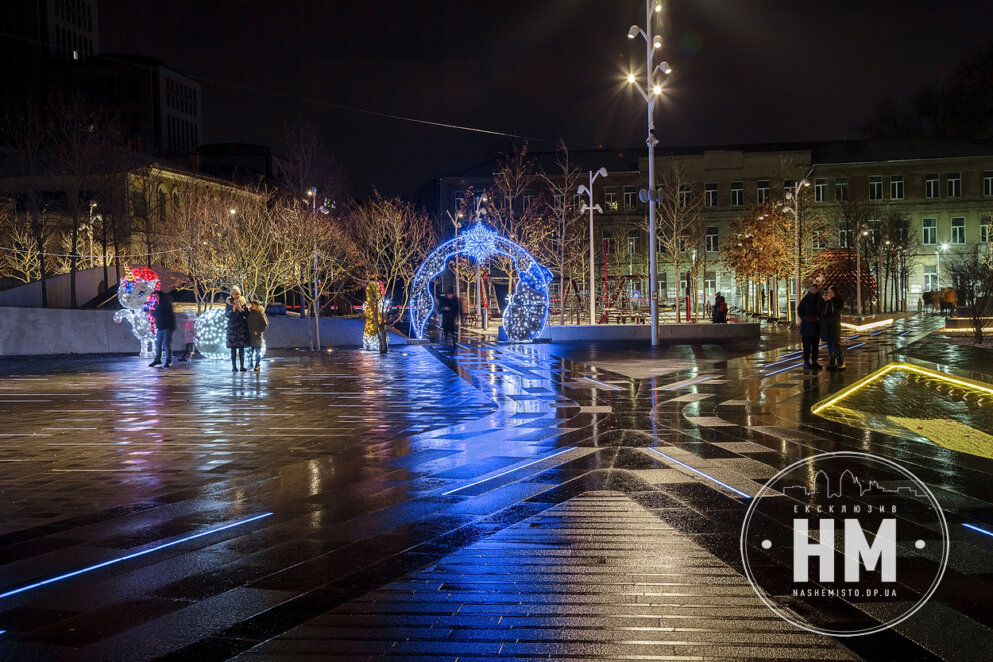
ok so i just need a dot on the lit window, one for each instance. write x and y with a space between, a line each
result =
737 194
610 198
929 236
875 187
930 278
958 230
896 187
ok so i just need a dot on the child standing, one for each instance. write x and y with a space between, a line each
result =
257 323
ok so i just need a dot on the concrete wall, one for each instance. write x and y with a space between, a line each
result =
88 283
37 331
668 333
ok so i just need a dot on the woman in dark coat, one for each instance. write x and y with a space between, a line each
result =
830 311
236 310
808 312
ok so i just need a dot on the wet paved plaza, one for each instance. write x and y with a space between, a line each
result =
498 502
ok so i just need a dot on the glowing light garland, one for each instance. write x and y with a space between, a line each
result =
210 333
527 308
136 294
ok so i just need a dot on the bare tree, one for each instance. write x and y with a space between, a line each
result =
564 253
392 238
19 259
680 223
972 276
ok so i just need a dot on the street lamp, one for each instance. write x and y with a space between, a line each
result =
602 172
457 222
937 268
652 84
863 231
794 208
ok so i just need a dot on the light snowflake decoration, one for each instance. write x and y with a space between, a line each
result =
479 242
136 293
527 308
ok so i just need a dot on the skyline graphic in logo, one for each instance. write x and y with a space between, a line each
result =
829 537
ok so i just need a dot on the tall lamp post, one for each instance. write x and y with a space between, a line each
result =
588 190
937 267
863 231
650 93
792 206
457 222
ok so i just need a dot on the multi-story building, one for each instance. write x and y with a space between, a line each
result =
943 190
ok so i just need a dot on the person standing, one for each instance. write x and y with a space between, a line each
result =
450 311
808 312
831 306
720 310
257 323
165 324
236 310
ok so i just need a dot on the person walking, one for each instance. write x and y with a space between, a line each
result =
236 310
165 324
450 312
830 310
720 310
257 323
808 312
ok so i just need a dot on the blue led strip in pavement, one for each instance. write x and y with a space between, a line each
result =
616 388
854 346
976 528
131 556
508 471
707 476
776 372
906 332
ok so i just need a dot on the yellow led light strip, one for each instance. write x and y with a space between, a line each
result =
867 327
907 367
946 329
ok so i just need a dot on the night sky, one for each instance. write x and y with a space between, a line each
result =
744 70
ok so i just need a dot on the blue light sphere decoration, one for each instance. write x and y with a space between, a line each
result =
527 308
210 333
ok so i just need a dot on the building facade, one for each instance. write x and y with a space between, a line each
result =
941 191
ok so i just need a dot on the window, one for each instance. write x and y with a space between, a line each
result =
610 198
629 197
711 239
710 195
820 241
930 234
788 185
762 191
845 237
984 230
931 186
633 236
820 190
709 284
988 183
896 187
958 230
875 187
737 194
930 278
684 196
841 189
954 184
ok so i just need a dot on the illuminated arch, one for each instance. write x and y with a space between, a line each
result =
527 308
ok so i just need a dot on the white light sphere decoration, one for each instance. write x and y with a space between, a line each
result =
211 333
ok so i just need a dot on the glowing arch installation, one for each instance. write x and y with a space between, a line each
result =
527 308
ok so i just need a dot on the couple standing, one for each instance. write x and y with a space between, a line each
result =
246 324
819 312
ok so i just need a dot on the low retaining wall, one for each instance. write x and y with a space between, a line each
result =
668 333
39 331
